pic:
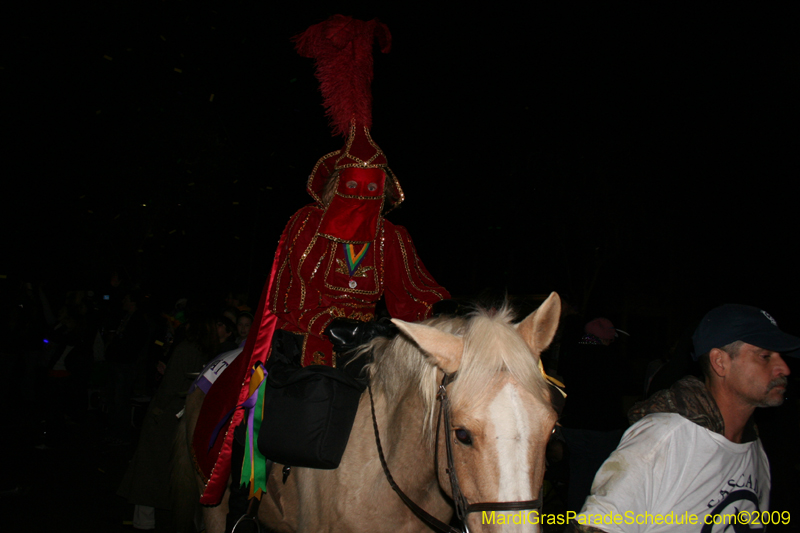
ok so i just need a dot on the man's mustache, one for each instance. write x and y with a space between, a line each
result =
782 381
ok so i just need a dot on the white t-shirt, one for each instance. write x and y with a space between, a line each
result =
670 467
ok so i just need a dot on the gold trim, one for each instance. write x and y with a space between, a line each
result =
355 314
316 317
347 289
300 264
309 182
349 143
344 241
287 262
363 300
361 271
408 267
335 312
353 197
318 358
382 270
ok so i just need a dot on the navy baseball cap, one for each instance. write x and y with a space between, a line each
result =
731 322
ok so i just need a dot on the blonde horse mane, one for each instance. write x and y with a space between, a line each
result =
492 349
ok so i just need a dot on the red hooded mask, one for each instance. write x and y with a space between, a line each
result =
354 212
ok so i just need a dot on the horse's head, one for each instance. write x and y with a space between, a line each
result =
500 411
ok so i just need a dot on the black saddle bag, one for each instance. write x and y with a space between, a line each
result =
308 415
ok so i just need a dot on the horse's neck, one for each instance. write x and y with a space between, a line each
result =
364 499
408 450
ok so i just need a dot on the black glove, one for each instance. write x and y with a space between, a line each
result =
347 334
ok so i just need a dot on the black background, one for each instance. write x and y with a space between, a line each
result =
639 159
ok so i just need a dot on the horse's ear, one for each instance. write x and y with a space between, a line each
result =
539 328
445 349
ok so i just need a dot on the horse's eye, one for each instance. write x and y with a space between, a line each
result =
463 436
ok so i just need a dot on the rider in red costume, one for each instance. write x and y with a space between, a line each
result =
337 257
340 256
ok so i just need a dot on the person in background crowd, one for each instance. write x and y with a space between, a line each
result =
146 482
66 371
593 418
231 313
243 323
226 329
127 344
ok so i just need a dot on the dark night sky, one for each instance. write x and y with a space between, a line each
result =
641 156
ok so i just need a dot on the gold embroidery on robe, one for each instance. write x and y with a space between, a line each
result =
361 271
318 358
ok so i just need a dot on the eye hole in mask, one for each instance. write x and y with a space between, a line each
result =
351 184
372 187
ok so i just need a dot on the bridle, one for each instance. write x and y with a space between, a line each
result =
463 507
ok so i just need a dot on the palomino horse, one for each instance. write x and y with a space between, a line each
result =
500 419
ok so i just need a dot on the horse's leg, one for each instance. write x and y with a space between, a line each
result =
279 506
214 517
187 484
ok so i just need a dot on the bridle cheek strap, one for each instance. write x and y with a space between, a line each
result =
463 507
427 518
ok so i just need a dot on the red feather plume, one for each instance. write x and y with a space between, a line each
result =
342 51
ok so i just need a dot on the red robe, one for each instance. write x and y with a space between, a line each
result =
310 285
313 284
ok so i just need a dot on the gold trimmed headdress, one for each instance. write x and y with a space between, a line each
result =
342 50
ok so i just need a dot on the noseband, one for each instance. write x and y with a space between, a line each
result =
463 507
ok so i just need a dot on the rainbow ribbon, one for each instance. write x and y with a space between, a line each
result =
254 469
354 258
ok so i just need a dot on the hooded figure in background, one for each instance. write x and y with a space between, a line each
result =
336 258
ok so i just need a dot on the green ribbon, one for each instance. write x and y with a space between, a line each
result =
254 467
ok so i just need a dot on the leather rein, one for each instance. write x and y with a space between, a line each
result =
463 507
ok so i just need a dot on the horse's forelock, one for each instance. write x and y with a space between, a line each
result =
493 347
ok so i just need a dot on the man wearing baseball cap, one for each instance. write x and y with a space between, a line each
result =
692 458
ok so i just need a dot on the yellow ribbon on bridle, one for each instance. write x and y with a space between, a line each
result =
553 381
